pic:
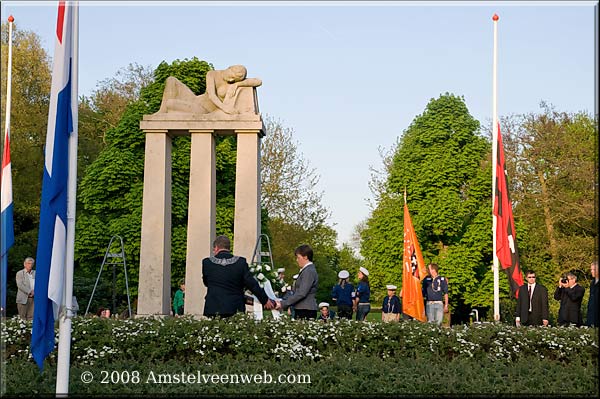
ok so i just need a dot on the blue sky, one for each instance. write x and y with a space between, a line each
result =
349 77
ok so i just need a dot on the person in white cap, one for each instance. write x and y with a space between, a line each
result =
390 310
325 313
281 275
362 306
342 294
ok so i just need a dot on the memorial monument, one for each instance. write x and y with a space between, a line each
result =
229 106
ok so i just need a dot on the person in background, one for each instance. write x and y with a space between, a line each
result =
390 310
325 313
281 275
304 297
435 294
570 294
592 310
342 294
25 289
532 303
179 299
362 306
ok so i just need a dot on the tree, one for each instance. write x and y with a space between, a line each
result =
29 117
288 183
443 163
553 161
111 191
295 212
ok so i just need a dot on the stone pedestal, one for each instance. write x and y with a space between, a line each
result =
155 260
246 225
201 217
155 248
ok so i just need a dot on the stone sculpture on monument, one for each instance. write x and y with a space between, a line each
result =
221 99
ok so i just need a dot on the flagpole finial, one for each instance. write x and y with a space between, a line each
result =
495 17
11 18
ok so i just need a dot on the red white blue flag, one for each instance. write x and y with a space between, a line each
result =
506 238
51 252
7 229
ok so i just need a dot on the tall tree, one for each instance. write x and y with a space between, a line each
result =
554 163
443 163
29 117
111 191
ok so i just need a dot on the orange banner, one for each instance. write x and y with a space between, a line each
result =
413 272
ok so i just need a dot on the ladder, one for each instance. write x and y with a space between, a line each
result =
259 254
113 259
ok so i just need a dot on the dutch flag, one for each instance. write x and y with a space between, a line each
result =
50 283
7 230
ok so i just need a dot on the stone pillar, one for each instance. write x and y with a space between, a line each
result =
155 248
246 228
201 217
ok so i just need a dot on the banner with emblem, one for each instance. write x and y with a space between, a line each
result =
413 271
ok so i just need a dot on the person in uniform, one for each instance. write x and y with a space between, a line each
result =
435 294
390 310
325 313
362 306
342 294
226 276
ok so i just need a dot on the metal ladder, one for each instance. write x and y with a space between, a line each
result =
114 259
259 254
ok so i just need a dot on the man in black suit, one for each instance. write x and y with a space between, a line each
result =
570 294
592 310
226 276
532 303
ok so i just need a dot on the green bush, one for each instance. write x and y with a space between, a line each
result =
341 356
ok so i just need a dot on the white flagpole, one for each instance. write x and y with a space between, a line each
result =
9 75
494 161
64 343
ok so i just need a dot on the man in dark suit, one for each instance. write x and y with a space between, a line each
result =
570 294
226 276
532 303
592 310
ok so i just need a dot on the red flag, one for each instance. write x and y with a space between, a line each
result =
506 238
413 272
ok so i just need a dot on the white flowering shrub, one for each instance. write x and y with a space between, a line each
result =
97 341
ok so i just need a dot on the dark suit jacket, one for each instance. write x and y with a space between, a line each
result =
592 310
570 304
539 305
226 276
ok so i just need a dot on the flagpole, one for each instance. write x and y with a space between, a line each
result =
494 160
7 191
64 343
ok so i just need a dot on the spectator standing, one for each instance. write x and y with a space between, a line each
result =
532 303
570 294
592 309
25 289
179 299
342 294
